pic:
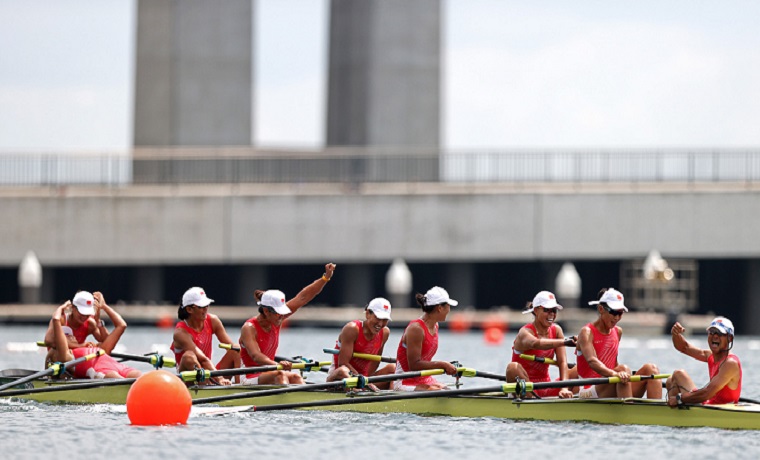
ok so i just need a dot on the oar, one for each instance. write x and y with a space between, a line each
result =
229 346
378 358
54 369
67 387
351 382
463 371
506 388
541 359
201 375
153 359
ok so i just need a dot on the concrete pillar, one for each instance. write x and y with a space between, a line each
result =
357 286
751 307
30 278
250 278
193 76
148 286
384 73
460 283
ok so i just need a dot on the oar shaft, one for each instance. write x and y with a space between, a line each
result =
368 357
505 388
153 359
346 383
189 376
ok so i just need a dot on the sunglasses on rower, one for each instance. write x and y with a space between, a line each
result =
613 312
550 310
713 331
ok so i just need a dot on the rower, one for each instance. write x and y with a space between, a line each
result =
724 367
420 342
102 366
367 337
81 320
193 336
542 338
260 335
597 353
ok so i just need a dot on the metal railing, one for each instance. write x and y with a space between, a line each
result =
363 166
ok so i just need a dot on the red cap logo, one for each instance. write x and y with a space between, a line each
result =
551 296
385 307
89 302
620 297
202 293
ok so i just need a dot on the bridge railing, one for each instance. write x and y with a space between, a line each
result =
208 166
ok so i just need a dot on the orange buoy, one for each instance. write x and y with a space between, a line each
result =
493 335
459 323
165 322
158 398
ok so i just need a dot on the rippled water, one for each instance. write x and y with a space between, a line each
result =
31 430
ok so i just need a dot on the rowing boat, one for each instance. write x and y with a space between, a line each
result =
634 411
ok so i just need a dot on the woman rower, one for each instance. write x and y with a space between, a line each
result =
260 335
102 366
420 342
193 336
724 367
597 352
83 320
542 338
368 337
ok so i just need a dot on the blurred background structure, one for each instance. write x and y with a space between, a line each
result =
196 201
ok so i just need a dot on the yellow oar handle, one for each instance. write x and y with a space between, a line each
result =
40 343
229 346
368 357
539 359
309 366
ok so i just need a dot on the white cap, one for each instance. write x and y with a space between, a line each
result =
380 307
613 298
276 300
85 303
195 296
722 324
438 295
543 299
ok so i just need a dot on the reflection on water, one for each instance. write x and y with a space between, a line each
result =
99 430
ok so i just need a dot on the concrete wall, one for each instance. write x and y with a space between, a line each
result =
384 73
193 82
267 224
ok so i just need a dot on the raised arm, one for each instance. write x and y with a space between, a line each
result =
96 326
681 344
309 292
119 326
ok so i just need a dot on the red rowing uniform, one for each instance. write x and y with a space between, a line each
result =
429 347
362 345
725 395
100 365
268 343
202 339
79 333
537 371
606 347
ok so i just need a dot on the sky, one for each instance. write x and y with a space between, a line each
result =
516 74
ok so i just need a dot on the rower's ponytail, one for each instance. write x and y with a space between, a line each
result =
182 313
